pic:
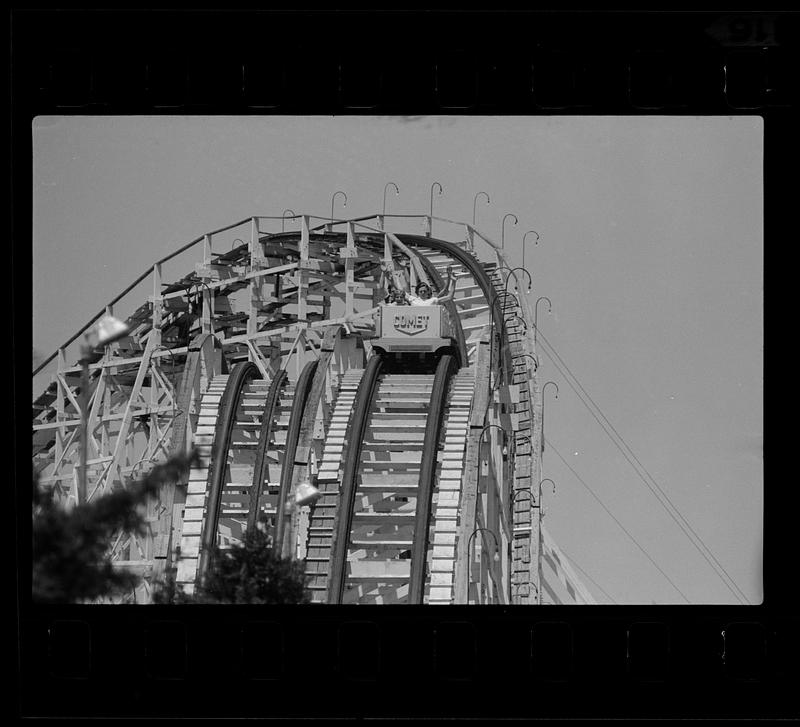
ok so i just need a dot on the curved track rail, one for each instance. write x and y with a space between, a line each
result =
382 529
226 419
384 525
445 369
322 518
261 481
344 513
301 395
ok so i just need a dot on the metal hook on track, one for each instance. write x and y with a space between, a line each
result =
283 218
334 197
503 228
385 187
523 243
475 201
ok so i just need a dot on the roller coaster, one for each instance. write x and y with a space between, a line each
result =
418 429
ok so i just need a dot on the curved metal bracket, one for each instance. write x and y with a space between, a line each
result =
475 201
523 243
334 197
435 184
385 187
503 228
283 218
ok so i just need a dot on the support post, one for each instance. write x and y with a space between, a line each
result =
302 271
470 238
157 312
84 443
60 404
108 372
94 411
388 261
255 288
349 271
208 299
274 355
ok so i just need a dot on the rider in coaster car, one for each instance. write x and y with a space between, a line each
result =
395 294
396 297
424 297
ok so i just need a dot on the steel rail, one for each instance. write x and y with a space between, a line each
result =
475 268
162 551
311 404
301 389
347 492
188 377
242 372
445 370
267 423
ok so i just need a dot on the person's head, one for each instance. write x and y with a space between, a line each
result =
398 296
424 291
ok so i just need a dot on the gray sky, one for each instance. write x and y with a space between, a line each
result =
651 251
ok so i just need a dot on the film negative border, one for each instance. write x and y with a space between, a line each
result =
147 662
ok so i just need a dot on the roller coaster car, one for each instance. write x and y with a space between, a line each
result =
411 328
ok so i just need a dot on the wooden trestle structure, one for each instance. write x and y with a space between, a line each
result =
261 359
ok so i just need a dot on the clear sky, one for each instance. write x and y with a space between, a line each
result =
651 250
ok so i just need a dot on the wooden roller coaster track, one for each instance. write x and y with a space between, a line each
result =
261 359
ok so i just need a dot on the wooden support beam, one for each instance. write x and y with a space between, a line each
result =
110 371
470 237
60 404
243 278
302 273
349 270
99 392
205 322
469 494
254 301
120 445
67 389
388 260
157 302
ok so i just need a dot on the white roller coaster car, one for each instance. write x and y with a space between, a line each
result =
418 328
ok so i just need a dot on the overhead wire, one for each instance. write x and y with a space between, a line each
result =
629 455
614 518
